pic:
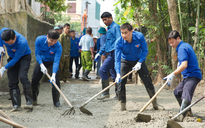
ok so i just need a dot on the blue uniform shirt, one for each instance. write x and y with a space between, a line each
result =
45 53
186 53
113 33
17 50
136 50
74 47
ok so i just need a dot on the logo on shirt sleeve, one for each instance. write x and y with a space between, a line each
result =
137 45
14 50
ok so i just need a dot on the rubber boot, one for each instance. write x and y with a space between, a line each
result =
185 103
154 102
179 100
116 93
105 94
55 96
16 99
29 98
189 112
77 72
123 106
85 75
35 92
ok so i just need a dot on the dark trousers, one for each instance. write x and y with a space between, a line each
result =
186 88
126 66
37 75
108 66
71 63
19 72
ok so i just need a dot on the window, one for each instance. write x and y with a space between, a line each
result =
72 9
97 11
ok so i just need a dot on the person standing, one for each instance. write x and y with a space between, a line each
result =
64 39
113 33
61 29
131 51
74 55
188 67
100 44
87 54
48 52
95 38
17 66
79 49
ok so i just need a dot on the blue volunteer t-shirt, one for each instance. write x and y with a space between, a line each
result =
136 50
74 47
186 53
45 53
17 50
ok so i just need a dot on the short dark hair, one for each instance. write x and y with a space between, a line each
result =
60 26
8 34
89 30
66 24
126 26
106 15
71 31
53 34
173 34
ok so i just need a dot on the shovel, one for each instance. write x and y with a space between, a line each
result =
9 121
83 110
69 111
143 117
172 124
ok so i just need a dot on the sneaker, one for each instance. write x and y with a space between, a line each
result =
67 81
62 82
28 106
97 77
16 108
102 97
35 102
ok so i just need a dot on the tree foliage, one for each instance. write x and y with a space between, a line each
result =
153 14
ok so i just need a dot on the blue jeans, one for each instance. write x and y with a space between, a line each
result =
108 66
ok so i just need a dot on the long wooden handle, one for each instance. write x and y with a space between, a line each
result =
156 94
106 89
11 123
188 107
5 116
7 56
60 91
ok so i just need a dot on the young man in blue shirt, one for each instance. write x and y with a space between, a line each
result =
48 52
188 67
74 53
113 33
131 51
18 66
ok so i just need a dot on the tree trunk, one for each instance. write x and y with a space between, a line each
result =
196 40
175 26
161 45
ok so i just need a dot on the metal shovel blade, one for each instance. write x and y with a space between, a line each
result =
142 118
173 124
83 110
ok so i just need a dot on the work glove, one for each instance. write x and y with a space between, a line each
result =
137 66
2 50
169 78
2 70
97 57
53 78
43 68
118 78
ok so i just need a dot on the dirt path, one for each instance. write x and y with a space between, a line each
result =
106 113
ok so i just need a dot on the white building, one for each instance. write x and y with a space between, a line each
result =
93 20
